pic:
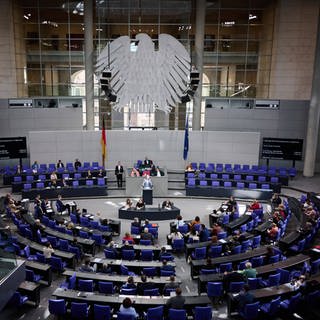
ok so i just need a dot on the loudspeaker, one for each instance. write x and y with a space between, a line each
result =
195 81
209 106
106 74
104 81
185 99
112 97
194 74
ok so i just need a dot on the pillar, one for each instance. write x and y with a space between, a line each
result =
88 57
199 38
314 112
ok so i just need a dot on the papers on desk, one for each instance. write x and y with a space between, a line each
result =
222 241
97 260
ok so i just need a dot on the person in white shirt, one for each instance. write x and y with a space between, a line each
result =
48 251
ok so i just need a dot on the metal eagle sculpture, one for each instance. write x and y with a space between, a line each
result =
146 79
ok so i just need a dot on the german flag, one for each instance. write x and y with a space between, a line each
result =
103 142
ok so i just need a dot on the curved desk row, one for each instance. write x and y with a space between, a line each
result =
149 213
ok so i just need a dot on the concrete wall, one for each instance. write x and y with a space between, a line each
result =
165 148
294 40
290 121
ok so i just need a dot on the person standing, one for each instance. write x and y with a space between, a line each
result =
119 172
77 164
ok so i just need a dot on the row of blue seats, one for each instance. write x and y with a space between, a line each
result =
228 167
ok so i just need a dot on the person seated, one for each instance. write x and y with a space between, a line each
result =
238 237
204 233
189 168
146 235
167 267
249 272
144 285
147 162
134 172
129 284
232 276
106 269
19 170
270 253
146 224
136 223
153 171
176 302
53 179
127 246
35 167
127 237
89 174
61 205
216 229
164 254
159 173
175 235
310 214
171 285
128 309
179 222
77 164
111 247
60 164
192 236
214 241
128 204
195 221
282 211
255 205
75 243
101 173
86 266
167 204
140 204
209 265
244 297
63 183
272 233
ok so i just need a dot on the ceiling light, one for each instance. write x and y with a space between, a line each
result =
252 17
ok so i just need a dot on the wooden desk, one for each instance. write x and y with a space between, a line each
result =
31 290
261 271
196 265
41 268
141 303
117 279
134 264
65 256
289 240
88 245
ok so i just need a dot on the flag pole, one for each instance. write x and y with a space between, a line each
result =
103 142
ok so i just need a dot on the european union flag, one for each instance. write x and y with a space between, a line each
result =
186 140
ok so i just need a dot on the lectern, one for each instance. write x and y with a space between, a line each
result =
147 196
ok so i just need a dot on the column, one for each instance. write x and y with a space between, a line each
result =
314 112
199 37
88 56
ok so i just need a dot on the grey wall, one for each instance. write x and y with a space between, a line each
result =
289 121
20 121
164 147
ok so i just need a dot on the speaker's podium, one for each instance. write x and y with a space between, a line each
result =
147 195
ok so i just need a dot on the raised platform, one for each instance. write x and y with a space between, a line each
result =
153 214
259 194
69 192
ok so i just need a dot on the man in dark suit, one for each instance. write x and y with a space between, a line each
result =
176 302
233 276
119 172
144 285
148 163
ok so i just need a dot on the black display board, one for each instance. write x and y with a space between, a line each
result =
13 148
283 149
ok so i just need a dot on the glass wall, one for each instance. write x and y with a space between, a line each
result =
237 42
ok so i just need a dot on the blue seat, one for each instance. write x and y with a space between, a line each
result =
89 182
128 254
151 292
214 289
57 264
201 176
215 251
18 299
125 316
75 183
284 275
155 313
125 271
271 308
146 255
256 242
227 184
272 281
290 305
274 179
79 310
149 271
203 183
202 313
40 257
145 242
178 245
236 249
70 283
177 314
275 258
298 247
253 283
85 285
101 182
237 177
101 312
265 186
191 182
245 245
54 241
106 287
41 239
262 178
31 276
167 273
225 176
250 311
240 185
128 292
252 185
83 234
257 261
213 176
215 184
99 241
223 267
57 307
199 253
76 251
315 266
29 178
85 222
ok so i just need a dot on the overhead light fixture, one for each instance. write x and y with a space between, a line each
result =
228 23
252 17
27 16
